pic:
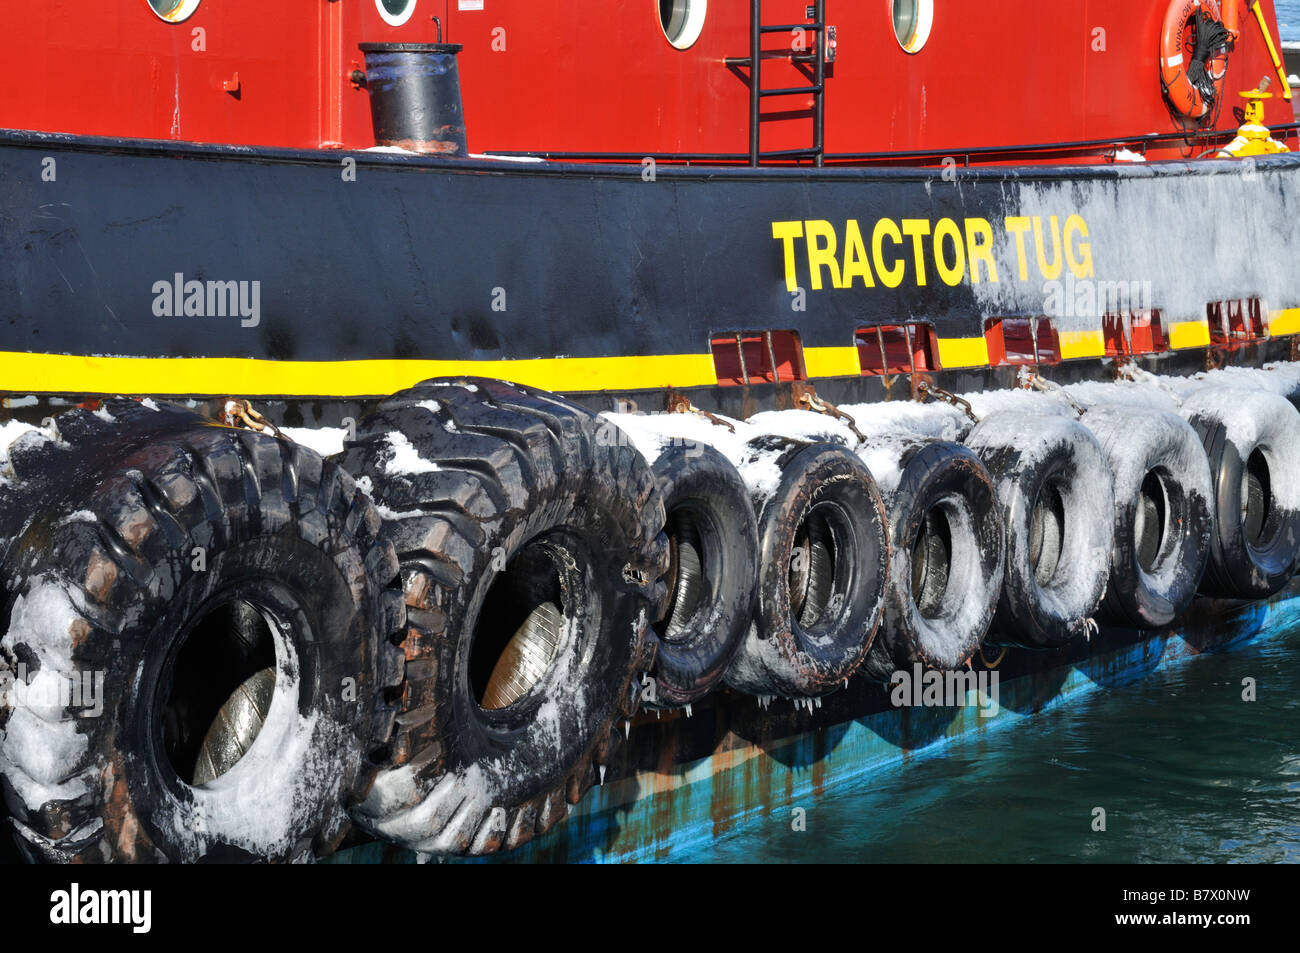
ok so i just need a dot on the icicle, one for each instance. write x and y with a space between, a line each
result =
688 711
627 727
602 773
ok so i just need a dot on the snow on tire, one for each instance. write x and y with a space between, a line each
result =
1252 441
167 564
1057 499
824 561
713 571
945 571
532 553
1162 518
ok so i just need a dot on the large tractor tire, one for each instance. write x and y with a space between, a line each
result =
532 551
201 625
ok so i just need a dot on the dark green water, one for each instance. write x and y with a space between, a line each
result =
1185 769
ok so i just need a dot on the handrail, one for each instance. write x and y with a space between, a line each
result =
907 157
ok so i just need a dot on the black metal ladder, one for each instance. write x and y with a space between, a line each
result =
757 29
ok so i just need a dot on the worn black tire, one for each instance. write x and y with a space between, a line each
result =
806 647
1292 396
938 609
110 580
1163 514
710 516
1252 442
502 471
1057 498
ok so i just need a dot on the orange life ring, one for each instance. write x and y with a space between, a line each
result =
1176 51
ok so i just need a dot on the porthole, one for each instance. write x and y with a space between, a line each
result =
174 11
682 20
912 22
395 12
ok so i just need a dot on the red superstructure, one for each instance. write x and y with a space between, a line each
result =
601 76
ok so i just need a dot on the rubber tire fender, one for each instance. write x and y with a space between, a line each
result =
1136 443
1233 426
779 655
473 474
109 583
1054 461
705 497
939 477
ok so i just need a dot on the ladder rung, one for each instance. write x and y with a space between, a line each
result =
788 27
756 92
791 91
772 55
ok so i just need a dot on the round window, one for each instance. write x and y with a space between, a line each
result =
682 20
395 12
912 22
174 11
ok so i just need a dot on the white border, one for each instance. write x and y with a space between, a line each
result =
397 20
183 12
921 32
696 11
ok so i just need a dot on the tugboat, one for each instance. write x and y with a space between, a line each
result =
768 374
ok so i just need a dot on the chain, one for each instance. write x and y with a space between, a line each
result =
1039 383
994 664
925 390
807 399
240 413
681 404
1137 374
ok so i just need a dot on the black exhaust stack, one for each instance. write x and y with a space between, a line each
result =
415 96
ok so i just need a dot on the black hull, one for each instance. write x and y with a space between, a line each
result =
570 277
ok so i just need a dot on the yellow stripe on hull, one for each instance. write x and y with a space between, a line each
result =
963 352
1189 334
830 362
1286 321
220 376
1082 344
26 373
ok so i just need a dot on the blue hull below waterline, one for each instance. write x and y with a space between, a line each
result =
669 805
